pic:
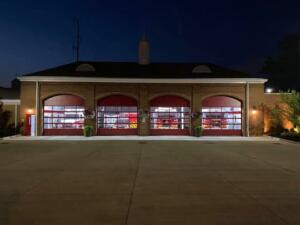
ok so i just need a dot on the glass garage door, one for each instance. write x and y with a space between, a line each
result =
221 115
63 115
117 115
169 115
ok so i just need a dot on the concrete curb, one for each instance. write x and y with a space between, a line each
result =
140 138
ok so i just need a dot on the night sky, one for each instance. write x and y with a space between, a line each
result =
35 35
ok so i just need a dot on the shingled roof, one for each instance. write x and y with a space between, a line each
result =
135 70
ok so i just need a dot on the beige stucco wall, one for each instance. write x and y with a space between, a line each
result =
195 93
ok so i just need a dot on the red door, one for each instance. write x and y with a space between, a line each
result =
28 125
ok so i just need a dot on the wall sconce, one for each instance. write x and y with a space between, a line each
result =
254 111
29 111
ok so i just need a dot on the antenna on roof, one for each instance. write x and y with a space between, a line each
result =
76 44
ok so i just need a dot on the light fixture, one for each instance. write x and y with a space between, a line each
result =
269 90
29 111
254 111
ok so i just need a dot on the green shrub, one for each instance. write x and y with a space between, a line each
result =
198 130
88 131
290 135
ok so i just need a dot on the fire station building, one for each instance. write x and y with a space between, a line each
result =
142 98
138 99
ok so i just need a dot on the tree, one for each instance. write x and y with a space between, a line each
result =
284 68
276 118
292 110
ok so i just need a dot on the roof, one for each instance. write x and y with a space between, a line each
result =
9 93
135 70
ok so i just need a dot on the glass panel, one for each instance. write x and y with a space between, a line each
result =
117 117
47 107
63 117
169 117
227 118
58 108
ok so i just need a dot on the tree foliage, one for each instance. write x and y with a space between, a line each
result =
284 68
4 119
276 118
292 112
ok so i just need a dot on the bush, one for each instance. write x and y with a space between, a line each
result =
198 130
294 136
88 131
276 118
9 130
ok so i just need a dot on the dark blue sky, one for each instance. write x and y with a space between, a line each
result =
239 34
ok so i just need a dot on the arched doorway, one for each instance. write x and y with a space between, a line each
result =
117 115
169 115
222 116
63 115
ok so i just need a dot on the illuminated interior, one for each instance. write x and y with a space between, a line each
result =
170 117
117 117
222 118
63 117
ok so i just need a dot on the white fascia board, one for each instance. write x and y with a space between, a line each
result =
143 80
10 101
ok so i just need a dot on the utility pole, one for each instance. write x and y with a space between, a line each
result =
76 45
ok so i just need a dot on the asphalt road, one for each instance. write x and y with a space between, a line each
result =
149 183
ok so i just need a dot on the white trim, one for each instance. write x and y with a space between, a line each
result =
143 80
16 115
37 111
10 101
247 105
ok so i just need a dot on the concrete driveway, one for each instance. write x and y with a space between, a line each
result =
149 183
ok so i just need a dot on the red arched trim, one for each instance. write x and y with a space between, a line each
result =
170 101
117 100
64 100
221 101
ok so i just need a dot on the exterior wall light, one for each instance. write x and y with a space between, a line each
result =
29 111
269 90
254 111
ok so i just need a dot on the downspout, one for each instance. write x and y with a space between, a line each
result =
16 116
247 109
36 107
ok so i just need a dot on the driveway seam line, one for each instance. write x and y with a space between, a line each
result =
133 186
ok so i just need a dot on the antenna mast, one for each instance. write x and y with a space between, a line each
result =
76 46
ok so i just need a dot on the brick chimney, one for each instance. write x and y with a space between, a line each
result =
144 51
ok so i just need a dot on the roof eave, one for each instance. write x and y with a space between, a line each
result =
140 80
